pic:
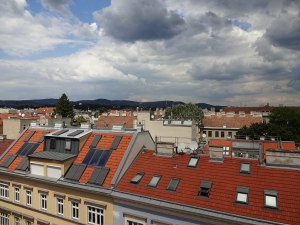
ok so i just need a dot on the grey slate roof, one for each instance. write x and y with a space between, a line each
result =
52 155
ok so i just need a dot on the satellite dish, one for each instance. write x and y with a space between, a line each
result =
152 116
181 146
204 135
193 145
20 114
23 115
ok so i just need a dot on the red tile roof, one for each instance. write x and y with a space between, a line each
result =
231 122
109 121
4 145
225 178
248 109
45 110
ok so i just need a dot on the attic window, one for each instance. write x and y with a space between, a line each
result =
154 181
173 184
137 178
242 194
205 188
68 144
193 161
245 167
271 200
52 143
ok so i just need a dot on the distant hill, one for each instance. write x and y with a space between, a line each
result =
52 102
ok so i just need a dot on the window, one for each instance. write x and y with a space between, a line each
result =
68 144
229 134
60 206
209 134
52 143
28 197
242 194
216 133
17 221
193 161
271 199
222 134
28 223
154 181
173 184
44 201
137 178
134 219
4 218
95 215
4 191
53 171
205 188
225 150
245 167
75 210
129 222
17 194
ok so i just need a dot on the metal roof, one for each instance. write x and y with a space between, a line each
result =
69 132
53 155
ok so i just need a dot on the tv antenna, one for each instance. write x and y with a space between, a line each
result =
181 146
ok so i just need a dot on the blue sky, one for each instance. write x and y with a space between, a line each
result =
218 52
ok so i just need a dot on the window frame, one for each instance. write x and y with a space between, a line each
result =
193 157
17 194
242 190
245 171
4 217
205 187
270 193
17 220
216 133
59 206
174 189
96 213
222 134
43 197
4 190
137 181
70 144
154 186
28 197
76 208
52 144
209 133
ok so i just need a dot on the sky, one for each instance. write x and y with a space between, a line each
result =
221 52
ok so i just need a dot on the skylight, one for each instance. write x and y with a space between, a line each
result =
245 167
205 188
137 178
154 181
173 184
193 161
242 194
271 199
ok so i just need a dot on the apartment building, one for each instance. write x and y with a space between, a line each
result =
58 175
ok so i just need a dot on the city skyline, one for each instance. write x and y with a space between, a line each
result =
218 52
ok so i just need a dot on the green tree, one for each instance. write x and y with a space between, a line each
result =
64 107
184 112
79 119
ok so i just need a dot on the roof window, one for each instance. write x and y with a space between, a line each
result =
137 178
52 143
193 161
154 181
68 144
245 167
271 200
242 195
205 188
173 184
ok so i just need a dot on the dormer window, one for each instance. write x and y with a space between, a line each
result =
68 144
245 168
193 161
137 178
52 143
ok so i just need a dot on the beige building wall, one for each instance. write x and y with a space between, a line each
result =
13 127
217 133
167 132
52 191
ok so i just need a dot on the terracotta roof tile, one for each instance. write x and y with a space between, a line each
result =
86 174
225 178
15 163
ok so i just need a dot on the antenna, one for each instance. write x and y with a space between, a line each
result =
181 146
193 145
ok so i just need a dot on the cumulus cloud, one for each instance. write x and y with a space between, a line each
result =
60 6
135 20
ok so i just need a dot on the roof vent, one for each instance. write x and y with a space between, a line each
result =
117 128
58 125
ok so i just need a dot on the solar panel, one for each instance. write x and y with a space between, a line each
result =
102 175
23 164
29 136
42 138
104 157
57 133
96 157
24 147
95 141
8 160
88 156
94 175
115 143
72 171
73 134
79 172
30 148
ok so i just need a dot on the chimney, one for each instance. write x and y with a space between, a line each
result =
216 152
165 148
260 154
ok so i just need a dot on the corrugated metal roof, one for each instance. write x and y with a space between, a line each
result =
52 155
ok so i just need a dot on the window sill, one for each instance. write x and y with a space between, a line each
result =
170 191
241 204
271 209
245 174
203 197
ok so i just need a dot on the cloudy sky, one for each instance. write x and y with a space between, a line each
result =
227 52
